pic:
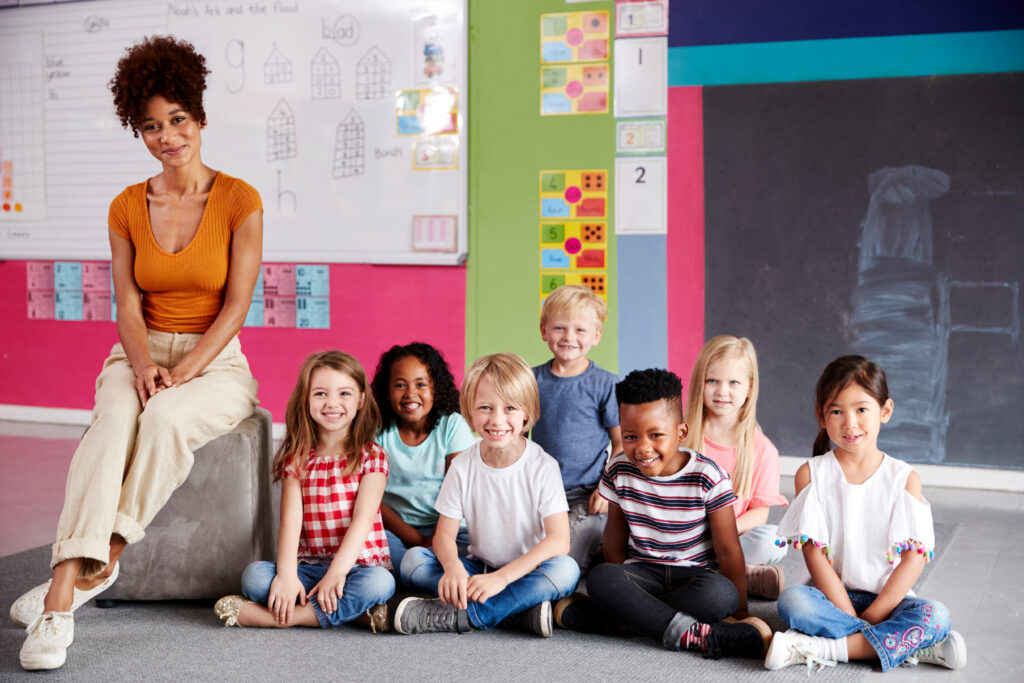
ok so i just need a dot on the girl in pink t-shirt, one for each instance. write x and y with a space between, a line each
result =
332 554
721 413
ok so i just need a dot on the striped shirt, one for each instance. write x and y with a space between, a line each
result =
667 516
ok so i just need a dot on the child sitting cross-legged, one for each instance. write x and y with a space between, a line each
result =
670 526
510 493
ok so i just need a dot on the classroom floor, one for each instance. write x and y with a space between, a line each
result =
981 579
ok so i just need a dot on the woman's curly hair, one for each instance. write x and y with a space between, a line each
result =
159 65
446 394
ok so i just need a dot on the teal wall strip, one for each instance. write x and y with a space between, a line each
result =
847 58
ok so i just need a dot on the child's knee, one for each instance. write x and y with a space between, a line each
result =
937 620
256 580
562 571
794 602
415 558
380 584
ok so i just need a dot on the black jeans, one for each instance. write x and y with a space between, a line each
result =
661 601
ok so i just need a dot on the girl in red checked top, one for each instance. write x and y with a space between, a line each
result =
332 556
721 409
866 533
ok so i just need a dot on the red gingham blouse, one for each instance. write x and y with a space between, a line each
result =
327 501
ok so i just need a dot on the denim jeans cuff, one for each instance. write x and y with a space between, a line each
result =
673 635
320 616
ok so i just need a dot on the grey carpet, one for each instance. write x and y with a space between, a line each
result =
161 641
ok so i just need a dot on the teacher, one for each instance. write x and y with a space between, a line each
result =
186 247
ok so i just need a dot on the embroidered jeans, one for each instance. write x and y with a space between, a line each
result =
914 623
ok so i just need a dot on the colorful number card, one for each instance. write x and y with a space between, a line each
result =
573 246
427 111
641 18
550 281
574 194
574 89
574 37
640 136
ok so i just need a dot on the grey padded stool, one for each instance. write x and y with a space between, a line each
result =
213 526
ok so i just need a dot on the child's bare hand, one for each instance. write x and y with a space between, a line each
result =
284 591
452 587
598 505
329 590
483 586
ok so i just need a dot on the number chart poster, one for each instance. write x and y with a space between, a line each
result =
568 84
573 240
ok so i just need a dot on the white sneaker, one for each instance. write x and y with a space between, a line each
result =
30 605
793 647
48 640
951 652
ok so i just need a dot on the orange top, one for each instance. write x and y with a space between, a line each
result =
184 292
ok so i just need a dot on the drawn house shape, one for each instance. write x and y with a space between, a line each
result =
281 133
350 146
277 68
325 76
373 75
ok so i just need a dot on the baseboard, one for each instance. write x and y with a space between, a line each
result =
74 417
949 476
982 478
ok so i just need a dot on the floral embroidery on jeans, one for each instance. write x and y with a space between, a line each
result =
910 640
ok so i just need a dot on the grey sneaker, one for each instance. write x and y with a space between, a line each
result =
950 652
537 620
429 615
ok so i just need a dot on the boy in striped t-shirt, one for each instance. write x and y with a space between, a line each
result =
670 526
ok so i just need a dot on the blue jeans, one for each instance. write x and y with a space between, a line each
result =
661 601
914 624
551 580
365 587
398 549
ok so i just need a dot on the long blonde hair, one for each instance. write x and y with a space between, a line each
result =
714 350
302 433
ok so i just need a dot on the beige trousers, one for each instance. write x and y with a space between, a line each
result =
130 460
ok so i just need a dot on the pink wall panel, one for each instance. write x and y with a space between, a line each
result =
54 363
685 242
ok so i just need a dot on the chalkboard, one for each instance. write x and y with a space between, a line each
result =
349 117
882 217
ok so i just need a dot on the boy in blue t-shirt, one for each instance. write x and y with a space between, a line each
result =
578 412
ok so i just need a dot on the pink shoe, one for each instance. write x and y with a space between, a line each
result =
765 581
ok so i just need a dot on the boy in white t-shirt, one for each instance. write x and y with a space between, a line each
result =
510 493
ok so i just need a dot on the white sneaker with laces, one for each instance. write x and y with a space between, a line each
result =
793 647
49 637
30 605
951 652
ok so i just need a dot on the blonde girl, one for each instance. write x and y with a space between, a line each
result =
721 409
332 556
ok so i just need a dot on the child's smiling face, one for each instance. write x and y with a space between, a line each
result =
570 337
498 423
411 390
651 433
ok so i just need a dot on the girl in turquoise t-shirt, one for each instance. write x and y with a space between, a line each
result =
421 432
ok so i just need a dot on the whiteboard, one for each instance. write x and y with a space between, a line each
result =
348 116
